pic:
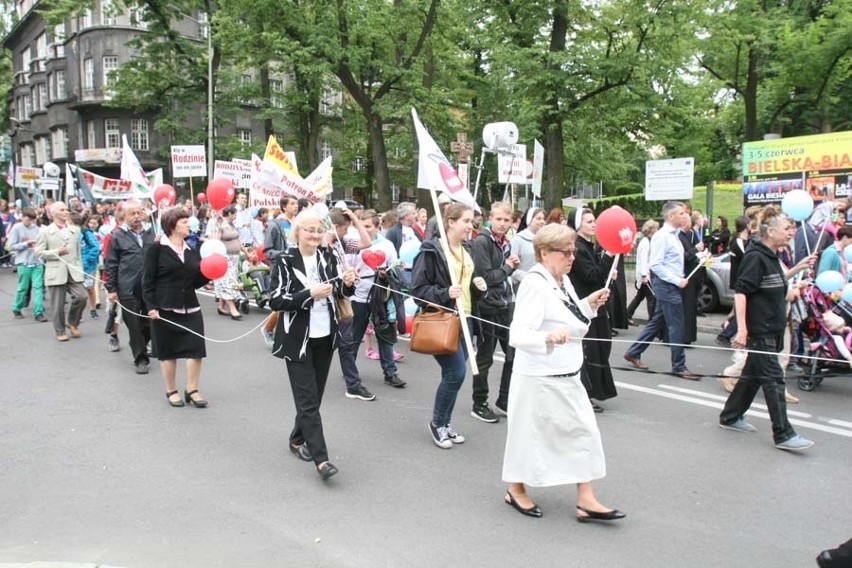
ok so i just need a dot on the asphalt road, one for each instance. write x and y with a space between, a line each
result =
98 468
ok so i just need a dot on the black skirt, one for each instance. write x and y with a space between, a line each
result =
596 373
170 342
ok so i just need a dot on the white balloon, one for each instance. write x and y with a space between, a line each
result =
212 246
321 209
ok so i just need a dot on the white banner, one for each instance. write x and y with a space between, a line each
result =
669 179
245 174
538 168
189 161
237 172
23 176
118 189
511 167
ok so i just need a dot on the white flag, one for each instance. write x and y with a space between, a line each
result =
131 169
434 170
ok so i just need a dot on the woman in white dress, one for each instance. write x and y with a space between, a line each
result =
553 438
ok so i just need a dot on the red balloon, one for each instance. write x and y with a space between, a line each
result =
214 266
373 258
201 197
220 193
164 196
409 323
258 250
616 230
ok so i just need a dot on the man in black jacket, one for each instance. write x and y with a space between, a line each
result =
124 279
494 262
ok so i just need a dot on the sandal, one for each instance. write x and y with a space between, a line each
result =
179 402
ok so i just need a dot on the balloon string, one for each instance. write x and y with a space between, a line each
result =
491 323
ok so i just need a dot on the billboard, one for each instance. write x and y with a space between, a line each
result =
669 179
820 164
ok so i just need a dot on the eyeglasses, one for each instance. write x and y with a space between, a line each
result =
567 253
313 230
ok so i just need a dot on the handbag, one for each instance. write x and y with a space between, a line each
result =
435 333
344 309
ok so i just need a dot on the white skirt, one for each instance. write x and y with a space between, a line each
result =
553 437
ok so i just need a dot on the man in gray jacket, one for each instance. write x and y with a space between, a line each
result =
22 239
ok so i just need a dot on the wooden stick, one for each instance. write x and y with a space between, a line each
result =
615 260
192 195
445 245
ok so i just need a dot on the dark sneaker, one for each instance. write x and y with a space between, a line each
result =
394 381
142 368
440 436
40 318
483 412
361 393
18 315
454 436
113 345
723 341
94 314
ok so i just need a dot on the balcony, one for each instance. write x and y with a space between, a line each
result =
84 97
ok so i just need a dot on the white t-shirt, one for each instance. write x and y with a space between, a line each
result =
365 273
320 320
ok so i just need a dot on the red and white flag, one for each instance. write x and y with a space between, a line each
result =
435 171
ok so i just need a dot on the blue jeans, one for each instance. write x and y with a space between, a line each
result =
360 320
453 371
668 314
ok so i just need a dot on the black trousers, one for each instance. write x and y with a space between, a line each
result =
138 328
489 336
643 293
307 380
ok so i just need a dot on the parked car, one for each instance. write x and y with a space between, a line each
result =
350 204
716 292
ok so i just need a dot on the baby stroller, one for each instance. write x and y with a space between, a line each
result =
822 346
255 282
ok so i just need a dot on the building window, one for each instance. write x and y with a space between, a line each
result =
110 67
42 150
276 88
139 134
91 141
137 17
394 193
88 75
40 102
359 163
108 12
27 156
28 107
59 142
325 150
86 20
58 40
245 136
26 61
58 85
41 46
203 24
112 133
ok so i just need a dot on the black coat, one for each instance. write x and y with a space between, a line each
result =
124 262
430 276
693 289
169 283
489 262
290 295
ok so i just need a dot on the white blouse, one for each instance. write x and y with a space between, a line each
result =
541 308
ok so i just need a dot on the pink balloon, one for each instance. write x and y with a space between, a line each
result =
201 197
616 230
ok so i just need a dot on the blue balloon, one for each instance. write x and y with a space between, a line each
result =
830 281
408 251
410 307
847 253
194 224
797 204
847 293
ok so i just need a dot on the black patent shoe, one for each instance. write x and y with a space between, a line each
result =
177 403
533 511
326 470
196 402
302 452
613 515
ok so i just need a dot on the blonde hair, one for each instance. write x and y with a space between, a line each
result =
306 217
552 237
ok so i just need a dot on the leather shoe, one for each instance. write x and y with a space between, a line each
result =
613 515
302 452
688 376
636 362
597 408
61 337
73 330
533 511
326 470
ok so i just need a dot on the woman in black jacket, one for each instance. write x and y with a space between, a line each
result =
306 282
171 274
430 283
589 274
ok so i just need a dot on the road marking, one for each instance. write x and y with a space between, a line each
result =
843 423
719 406
795 413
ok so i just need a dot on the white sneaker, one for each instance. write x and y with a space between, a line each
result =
440 436
454 436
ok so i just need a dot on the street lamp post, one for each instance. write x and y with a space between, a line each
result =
209 101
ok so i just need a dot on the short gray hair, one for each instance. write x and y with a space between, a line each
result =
404 209
670 207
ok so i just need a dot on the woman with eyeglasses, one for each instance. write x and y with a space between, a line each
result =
552 437
590 273
306 280
228 287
